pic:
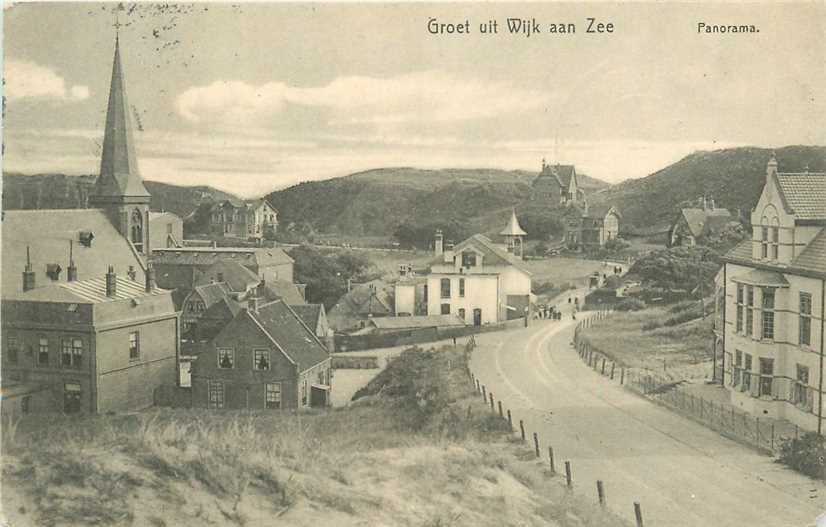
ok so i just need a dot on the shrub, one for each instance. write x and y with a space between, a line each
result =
630 304
806 454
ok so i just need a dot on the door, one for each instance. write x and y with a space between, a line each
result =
477 317
71 398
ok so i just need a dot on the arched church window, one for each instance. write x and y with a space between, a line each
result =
136 230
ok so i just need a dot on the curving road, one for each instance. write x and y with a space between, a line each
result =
682 473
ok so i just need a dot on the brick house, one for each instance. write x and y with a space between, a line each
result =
772 302
264 358
97 345
557 185
247 220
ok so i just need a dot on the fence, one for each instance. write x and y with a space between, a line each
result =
764 434
340 362
345 343
489 399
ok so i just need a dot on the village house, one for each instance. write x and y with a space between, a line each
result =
557 185
88 346
165 230
264 358
694 224
246 220
361 303
773 307
478 281
178 267
590 227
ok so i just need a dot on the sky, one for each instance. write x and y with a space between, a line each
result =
253 97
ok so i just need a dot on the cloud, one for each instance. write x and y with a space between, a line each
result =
29 80
419 97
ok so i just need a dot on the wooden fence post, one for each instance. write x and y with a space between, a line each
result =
613 367
492 409
772 436
551 459
536 443
484 394
757 432
522 429
568 479
510 420
600 493
501 414
638 513
478 386
622 376
603 366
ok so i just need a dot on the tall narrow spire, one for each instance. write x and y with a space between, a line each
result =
119 174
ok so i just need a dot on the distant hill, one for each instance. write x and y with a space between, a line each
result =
734 177
374 202
59 191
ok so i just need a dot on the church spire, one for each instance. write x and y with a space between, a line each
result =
119 174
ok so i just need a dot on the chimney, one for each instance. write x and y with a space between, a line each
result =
214 244
252 303
260 288
111 282
439 243
771 167
28 273
71 272
150 278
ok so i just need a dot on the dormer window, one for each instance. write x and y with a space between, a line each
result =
468 259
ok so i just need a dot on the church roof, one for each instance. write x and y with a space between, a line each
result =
119 174
805 193
48 233
513 228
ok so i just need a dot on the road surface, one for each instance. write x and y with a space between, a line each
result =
682 473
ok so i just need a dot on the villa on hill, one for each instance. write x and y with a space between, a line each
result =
557 185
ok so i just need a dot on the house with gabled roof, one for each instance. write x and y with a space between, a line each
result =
180 263
557 185
479 281
250 220
362 302
773 289
266 357
695 224
591 226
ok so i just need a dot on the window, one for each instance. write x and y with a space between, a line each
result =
768 313
766 376
72 352
805 319
445 285
746 373
462 287
216 394
738 368
740 291
134 345
12 350
468 259
445 309
749 310
462 313
764 245
273 396
226 358
801 396
261 360
775 238
43 352
137 230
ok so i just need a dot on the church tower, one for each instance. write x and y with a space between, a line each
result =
119 188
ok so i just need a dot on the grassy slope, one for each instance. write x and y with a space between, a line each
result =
642 340
58 191
372 203
375 463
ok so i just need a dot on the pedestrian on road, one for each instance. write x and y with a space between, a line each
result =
454 342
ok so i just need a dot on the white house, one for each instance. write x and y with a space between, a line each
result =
479 281
774 287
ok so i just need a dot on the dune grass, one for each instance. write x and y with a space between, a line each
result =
420 448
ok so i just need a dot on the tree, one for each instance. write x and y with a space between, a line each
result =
326 272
